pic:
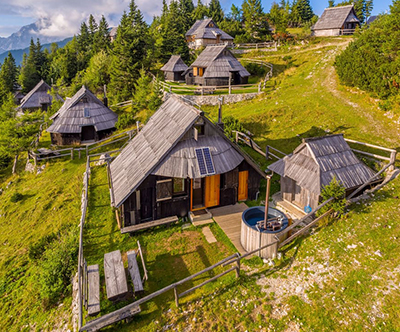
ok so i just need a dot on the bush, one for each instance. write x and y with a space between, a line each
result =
231 124
338 192
16 197
57 267
5 159
125 120
37 249
255 69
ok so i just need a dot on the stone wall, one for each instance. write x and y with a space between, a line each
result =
213 99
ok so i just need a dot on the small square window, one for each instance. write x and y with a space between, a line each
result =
86 113
164 190
200 129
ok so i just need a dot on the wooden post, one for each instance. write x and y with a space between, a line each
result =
237 137
87 151
72 153
79 153
137 126
35 158
238 268
267 152
259 87
267 201
176 297
392 160
202 90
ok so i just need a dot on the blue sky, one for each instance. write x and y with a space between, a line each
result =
66 16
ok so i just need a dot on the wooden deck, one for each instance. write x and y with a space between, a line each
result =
292 211
229 218
145 225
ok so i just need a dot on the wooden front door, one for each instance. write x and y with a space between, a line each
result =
146 204
88 133
243 185
297 195
212 190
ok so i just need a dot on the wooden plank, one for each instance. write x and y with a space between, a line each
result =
145 225
116 284
133 269
93 279
98 323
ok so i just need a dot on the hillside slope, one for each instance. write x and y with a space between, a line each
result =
345 276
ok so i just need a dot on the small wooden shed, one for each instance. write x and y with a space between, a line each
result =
174 69
180 162
82 118
336 21
313 165
216 66
38 98
206 32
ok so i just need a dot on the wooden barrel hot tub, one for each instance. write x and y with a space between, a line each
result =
252 237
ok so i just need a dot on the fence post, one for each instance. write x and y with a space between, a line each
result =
237 137
238 268
72 153
87 150
267 152
35 158
79 153
392 160
176 297
259 87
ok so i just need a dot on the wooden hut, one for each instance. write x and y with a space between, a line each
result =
216 66
174 69
180 162
38 98
82 118
336 21
313 165
206 32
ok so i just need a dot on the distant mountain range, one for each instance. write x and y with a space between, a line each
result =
19 42
18 54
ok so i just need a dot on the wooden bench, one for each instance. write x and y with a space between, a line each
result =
93 278
133 269
114 271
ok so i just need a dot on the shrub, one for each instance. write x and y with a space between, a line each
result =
231 124
57 267
16 197
37 249
338 192
255 69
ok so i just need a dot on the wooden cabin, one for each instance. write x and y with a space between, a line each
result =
313 165
216 66
336 21
82 118
180 162
38 98
206 32
174 69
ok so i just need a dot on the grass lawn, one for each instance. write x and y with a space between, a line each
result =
170 253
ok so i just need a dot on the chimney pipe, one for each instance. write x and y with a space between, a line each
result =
220 123
105 100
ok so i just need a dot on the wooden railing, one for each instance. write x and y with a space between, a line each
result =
257 45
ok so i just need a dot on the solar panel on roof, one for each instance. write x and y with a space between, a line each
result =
205 162
208 160
201 162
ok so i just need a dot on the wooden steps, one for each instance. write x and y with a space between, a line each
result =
93 277
150 224
133 269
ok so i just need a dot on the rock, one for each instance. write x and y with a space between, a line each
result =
299 289
9 184
29 167
1 191
378 253
103 159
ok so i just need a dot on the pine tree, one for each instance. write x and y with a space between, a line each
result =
186 9
8 76
255 21
29 75
215 11
301 12
200 12
129 53
331 3
93 27
101 39
173 35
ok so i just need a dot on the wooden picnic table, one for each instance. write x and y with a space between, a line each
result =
114 271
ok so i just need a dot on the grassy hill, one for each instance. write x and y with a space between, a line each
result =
345 276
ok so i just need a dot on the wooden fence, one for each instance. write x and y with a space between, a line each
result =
256 46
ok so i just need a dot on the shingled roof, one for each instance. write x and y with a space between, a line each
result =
159 149
78 112
335 17
175 64
207 29
317 160
219 62
37 96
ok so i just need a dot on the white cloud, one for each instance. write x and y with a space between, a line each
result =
66 16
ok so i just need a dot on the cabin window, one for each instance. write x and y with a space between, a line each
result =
200 129
84 100
211 25
179 186
195 72
164 190
86 113
201 72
